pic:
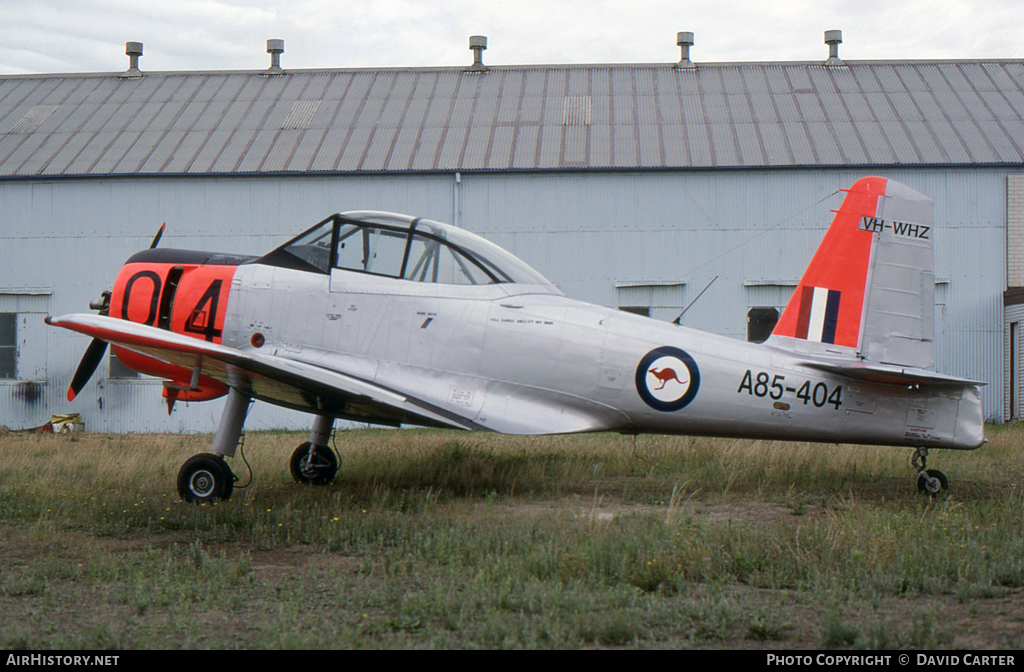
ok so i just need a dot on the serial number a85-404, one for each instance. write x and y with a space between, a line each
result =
762 384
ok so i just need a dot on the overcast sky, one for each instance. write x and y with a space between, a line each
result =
90 35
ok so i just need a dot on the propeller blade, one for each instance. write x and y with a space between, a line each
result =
90 360
156 239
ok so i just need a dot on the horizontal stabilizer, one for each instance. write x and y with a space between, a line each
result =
890 374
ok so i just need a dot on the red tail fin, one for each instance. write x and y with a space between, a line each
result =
870 286
829 301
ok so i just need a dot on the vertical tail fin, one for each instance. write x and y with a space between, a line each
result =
870 288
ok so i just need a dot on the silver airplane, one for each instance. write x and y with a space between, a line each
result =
389 319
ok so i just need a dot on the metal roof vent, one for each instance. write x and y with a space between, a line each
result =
477 44
275 48
833 38
685 41
133 51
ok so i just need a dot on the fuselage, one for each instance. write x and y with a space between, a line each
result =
524 358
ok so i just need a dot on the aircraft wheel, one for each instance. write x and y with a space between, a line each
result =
318 466
932 484
204 478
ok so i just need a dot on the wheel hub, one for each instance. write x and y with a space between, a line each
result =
311 466
316 465
202 483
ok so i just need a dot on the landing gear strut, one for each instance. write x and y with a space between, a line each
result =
206 477
929 481
314 462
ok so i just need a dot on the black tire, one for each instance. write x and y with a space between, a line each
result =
204 478
318 467
922 482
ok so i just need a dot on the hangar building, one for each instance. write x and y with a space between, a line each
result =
628 185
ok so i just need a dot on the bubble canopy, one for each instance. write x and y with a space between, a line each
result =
401 246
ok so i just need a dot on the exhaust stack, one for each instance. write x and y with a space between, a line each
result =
685 41
478 44
833 38
275 48
133 50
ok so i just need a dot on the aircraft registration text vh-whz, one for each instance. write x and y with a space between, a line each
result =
390 319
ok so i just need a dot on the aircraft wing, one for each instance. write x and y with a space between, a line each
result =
890 374
287 382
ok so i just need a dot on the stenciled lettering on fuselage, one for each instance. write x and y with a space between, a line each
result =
667 379
761 384
906 229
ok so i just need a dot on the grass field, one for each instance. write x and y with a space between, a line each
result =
457 540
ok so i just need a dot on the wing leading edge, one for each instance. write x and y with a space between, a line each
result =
287 382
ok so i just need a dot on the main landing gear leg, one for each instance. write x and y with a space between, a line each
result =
206 477
929 481
314 462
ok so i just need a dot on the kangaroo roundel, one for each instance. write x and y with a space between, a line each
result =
667 379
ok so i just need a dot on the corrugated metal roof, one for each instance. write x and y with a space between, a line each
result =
523 118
